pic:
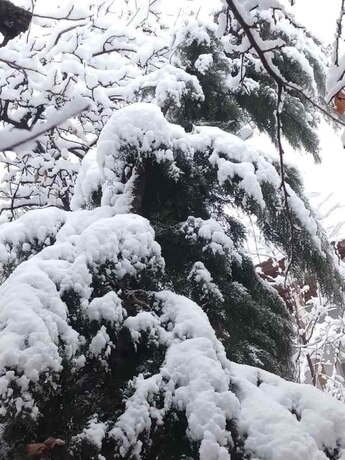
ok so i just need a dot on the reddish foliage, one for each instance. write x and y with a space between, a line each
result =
339 102
39 450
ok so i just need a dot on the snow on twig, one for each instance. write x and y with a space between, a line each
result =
16 137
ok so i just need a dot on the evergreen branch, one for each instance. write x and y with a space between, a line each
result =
270 69
281 84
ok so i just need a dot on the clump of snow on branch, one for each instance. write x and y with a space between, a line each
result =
209 232
196 378
140 132
203 278
32 312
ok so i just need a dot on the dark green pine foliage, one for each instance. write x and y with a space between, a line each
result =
220 107
230 109
299 117
253 96
252 321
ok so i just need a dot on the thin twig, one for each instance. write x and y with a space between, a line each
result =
339 32
39 130
283 182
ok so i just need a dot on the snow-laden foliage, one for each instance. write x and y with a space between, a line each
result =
139 135
110 55
33 294
80 304
228 408
125 303
106 54
268 48
222 409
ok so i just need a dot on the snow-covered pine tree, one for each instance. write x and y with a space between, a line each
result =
119 317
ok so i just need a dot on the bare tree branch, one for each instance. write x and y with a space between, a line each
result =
15 138
339 32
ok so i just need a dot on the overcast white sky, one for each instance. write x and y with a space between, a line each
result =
319 16
324 183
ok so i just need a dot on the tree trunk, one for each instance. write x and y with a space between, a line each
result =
141 170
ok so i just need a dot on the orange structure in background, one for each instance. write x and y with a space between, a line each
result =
339 102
